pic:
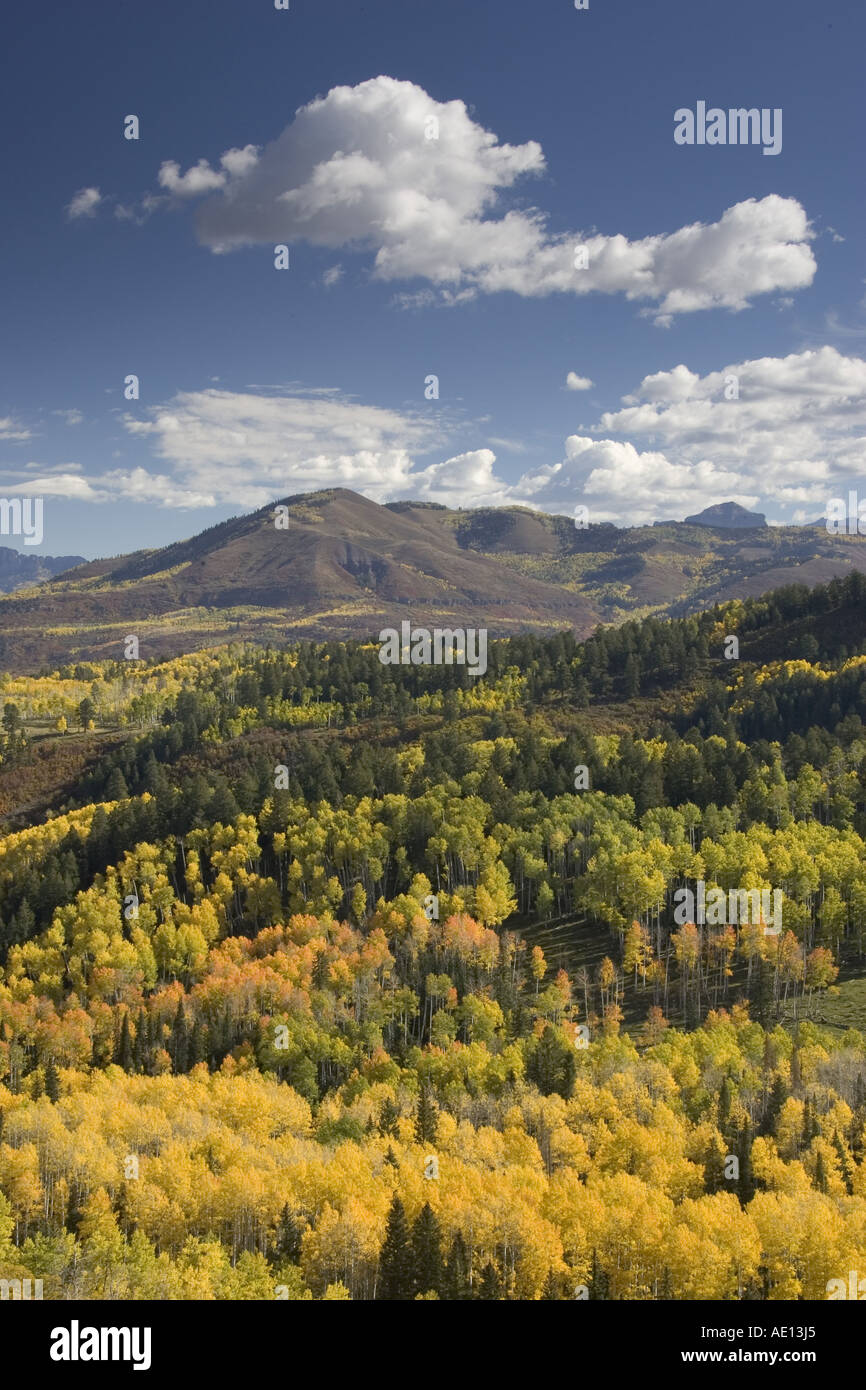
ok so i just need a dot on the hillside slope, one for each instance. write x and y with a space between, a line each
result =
346 566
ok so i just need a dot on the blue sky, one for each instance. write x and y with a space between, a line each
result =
412 256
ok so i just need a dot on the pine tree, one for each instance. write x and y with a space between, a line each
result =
321 970
746 1181
806 1130
198 1042
724 1108
52 1081
388 1117
426 1118
844 1164
116 788
820 1173
287 1243
599 1284
178 1043
714 1169
552 1291
631 676
777 1098
857 1135
395 1258
551 1064
222 806
491 1288
139 1046
427 1264
456 1281
762 992
124 1053
25 921
811 1129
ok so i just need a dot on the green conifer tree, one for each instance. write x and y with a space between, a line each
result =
395 1281
427 1265
456 1271
426 1118
52 1081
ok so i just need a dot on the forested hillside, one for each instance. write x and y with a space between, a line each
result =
329 979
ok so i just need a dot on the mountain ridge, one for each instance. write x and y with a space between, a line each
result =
729 515
346 566
20 570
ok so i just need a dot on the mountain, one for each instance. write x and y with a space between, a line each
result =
347 567
19 570
728 515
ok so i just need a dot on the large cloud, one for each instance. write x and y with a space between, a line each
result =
247 448
784 431
619 483
356 169
791 425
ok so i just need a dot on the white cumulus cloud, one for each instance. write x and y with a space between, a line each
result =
246 448
775 433
355 169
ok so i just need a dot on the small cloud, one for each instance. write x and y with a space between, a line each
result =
837 236
578 383
413 299
72 417
84 203
11 429
201 178
52 468
140 212
137 213
511 446
835 325
66 484
332 276
239 162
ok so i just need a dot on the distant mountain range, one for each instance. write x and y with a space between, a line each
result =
18 570
346 566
